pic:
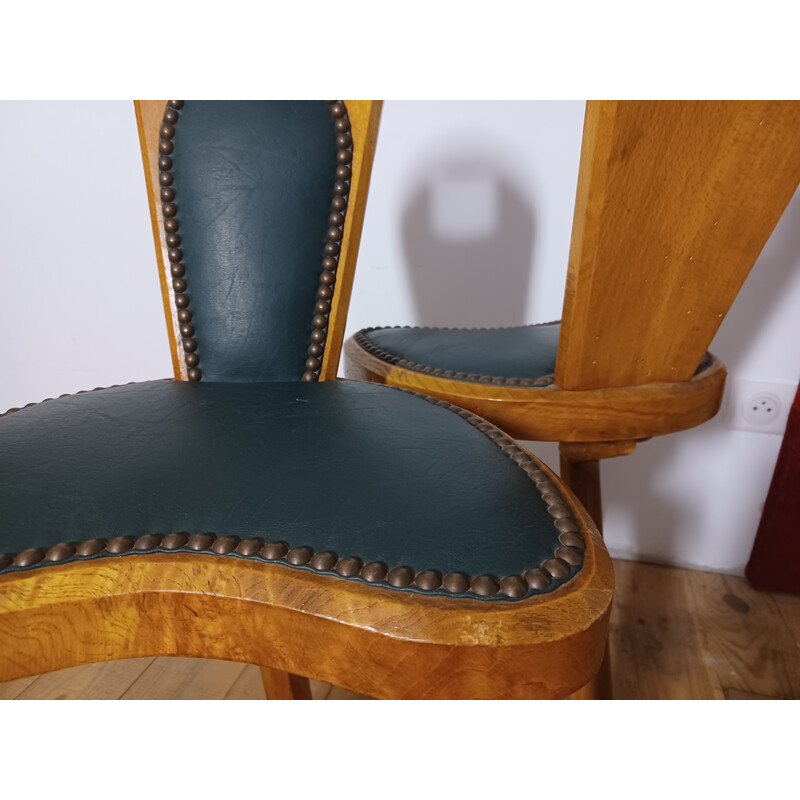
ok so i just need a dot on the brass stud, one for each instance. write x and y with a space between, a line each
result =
165 179
569 554
171 116
174 541
338 203
192 359
165 147
169 210
175 254
225 545
299 555
340 188
60 552
336 219
343 172
325 293
572 539
187 329
176 104
322 307
313 364
344 140
551 498
315 350
308 376
164 162
428 580
400 577
250 547
348 567
537 579
323 562
90 547
148 542
319 321
327 278
194 374
120 544
166 194
189 345
566 525
556 567
200 541
171 225
513 586
374 572
173 240
28 557
342 125
177 270
338 110
275 550
559 511
184 315
179 284
484 585
332 249
181 300
166 131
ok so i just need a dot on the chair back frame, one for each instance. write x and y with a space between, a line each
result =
675 201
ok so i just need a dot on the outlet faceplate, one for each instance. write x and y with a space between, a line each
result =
760 407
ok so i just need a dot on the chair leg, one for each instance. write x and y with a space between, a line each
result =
284 685
583 478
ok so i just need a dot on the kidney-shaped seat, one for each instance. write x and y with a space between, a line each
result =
255 509
343 478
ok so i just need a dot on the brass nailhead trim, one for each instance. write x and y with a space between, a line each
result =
333 237
68 394
370 347
177 268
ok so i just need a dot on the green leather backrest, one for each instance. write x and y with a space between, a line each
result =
253 183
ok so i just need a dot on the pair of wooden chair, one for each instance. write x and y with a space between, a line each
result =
387 539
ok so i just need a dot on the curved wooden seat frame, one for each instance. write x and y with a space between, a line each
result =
376 641
675 201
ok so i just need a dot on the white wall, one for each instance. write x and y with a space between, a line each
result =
468 224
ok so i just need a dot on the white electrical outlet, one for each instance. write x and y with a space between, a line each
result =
759 407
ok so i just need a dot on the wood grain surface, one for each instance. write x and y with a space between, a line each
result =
675 201
552 414
668 641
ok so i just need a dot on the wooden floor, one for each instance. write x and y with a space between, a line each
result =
675 634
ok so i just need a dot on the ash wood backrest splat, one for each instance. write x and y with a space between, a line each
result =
675 201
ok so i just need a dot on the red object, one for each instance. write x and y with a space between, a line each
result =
774 564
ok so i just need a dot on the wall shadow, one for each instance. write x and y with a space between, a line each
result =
479 275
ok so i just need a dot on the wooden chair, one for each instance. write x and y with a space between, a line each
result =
255 509
675 201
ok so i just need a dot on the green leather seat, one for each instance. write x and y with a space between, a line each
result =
524 355
362 481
